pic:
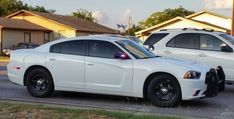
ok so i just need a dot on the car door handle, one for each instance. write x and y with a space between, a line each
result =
90 64
167 52
52 59
202 55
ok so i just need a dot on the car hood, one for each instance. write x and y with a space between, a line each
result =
190 65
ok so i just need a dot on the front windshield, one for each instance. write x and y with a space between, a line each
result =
137 40
139 52
229 38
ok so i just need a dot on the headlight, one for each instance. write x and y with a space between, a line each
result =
192 75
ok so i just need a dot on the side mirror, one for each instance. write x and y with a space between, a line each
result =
151 48
226 48
121 55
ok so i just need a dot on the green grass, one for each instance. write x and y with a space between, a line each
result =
26 111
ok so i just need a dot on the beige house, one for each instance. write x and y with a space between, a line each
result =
13 31
37 27
200 20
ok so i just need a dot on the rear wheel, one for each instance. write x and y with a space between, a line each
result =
39 83
164 91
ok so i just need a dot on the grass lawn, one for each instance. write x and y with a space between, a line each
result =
26 111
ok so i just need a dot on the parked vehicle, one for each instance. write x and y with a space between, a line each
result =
7 51
203 46
114 66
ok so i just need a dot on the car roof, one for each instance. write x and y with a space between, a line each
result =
90 37
188 30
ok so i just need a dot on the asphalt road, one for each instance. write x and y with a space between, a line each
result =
220 107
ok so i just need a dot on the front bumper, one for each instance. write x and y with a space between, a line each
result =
215 81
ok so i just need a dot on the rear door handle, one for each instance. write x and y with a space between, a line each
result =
167 52
52 59
202 55
90 64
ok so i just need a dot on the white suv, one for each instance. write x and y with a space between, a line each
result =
200 45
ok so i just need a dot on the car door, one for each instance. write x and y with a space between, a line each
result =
104 72
182 46
211 54
66 64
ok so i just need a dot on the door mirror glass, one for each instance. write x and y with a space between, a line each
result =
121 55
151 48
226 48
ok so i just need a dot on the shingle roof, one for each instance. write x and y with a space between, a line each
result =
20 24
75 23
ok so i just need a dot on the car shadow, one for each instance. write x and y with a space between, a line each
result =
123 100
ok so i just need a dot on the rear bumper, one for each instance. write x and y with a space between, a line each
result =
215 81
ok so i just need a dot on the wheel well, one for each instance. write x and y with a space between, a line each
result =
151 76
34 67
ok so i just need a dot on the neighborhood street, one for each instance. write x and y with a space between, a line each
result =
218 107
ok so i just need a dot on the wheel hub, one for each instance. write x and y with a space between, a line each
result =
40 82
164 90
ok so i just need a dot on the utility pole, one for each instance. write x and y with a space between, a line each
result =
232 32
129 24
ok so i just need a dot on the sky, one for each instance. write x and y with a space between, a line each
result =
113 12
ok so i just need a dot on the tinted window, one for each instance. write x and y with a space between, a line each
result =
187 40
136 50
209 42
229 38
102 49
154 38
70 47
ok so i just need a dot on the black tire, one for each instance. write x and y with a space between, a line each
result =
39 83
164 91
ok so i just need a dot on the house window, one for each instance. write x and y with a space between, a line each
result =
27 37
46 37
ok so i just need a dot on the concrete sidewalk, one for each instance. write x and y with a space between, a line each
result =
3 68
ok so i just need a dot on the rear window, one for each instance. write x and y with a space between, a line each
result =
69 47
185 40
154 38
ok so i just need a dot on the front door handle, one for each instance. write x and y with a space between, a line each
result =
167 52
202 55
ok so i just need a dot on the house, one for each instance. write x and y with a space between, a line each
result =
199 20
40 28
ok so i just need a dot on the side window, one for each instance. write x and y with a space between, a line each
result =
154 38
69 47
186 40
209 42
102 49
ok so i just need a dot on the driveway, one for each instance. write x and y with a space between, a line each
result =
221 107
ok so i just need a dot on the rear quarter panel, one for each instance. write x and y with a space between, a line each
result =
24 59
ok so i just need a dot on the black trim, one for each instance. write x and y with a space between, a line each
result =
215 80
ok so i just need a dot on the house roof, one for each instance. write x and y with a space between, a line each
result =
186 18
208 12
72 22
7 23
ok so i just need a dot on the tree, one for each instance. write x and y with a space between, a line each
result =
9 6
167 14
84 14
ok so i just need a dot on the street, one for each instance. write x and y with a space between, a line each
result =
221 106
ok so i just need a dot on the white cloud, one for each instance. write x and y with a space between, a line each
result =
100 17
123 19
218 4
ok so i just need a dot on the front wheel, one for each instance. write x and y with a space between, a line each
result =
39 83
164 91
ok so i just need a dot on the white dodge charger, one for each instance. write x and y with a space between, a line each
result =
114 66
